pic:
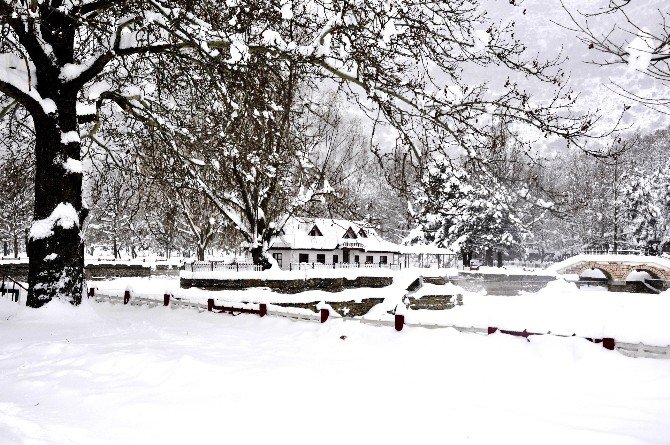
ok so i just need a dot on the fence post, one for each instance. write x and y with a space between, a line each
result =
263 309
609 343
324 315
210 304
126 297
166 299
212 264
399 322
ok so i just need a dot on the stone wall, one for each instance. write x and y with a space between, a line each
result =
19 271
288 286
435 302
344 308
101 271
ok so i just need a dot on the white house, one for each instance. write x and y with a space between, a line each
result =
331 241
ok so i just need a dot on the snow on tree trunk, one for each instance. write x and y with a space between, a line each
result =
55 245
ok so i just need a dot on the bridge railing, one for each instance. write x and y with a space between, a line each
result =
612 252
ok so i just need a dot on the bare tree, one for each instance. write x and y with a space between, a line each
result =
643 44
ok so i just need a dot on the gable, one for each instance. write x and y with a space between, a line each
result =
315 231
349 234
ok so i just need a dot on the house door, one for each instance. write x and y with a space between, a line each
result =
345 256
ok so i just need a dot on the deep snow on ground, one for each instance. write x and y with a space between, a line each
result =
114 374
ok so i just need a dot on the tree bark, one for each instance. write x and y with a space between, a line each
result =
56 265
259 258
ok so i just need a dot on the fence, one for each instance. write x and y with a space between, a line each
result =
15 289
309 266
211 266
612 252
398 322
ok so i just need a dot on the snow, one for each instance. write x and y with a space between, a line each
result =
560 308
73 165
64 215
640 50
19 74
600 258
104 374
286 11
69 137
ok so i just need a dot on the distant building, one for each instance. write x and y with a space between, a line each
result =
332 241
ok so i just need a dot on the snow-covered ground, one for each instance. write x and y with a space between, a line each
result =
560 308
114 374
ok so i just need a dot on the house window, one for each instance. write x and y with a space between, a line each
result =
369 259
362 233
383 259
277 257
303 258
321 258
349 234
336 259
356 259
315 232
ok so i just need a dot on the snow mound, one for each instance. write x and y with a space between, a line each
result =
57 312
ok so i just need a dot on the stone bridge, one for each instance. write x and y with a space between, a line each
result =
616 267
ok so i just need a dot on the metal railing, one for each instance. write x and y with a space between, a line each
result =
14 291
612 252
213 266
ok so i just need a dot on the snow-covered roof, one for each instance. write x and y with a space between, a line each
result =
329 234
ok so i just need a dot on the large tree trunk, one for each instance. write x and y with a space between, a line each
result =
55 247
259 258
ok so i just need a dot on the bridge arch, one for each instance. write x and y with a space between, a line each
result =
653 274
616 268
584 272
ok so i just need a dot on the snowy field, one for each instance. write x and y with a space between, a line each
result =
560 308
113 374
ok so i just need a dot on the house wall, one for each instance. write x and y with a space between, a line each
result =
293 256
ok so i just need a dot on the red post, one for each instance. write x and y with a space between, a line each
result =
166 299
262 309
210 304
399 322
609 343
491 330
126 297
324 315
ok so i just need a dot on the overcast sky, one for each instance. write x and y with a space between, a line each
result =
536 27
